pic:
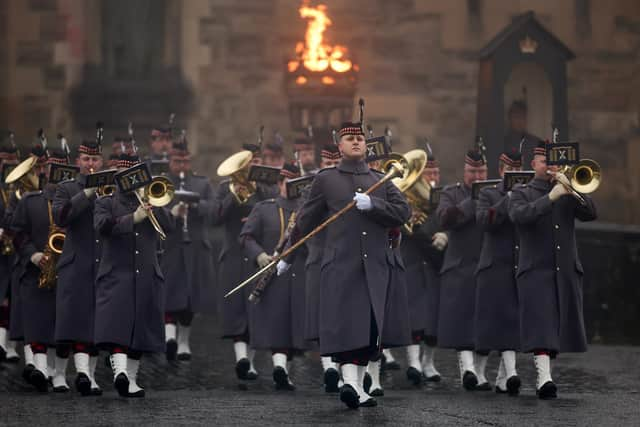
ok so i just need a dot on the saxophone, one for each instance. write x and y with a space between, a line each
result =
53 249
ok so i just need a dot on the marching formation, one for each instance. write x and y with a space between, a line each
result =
350 256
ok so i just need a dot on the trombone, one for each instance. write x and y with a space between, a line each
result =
157 193
584 178
398 166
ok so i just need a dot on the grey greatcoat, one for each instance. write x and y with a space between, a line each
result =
277 321
422 262
497 317
78 263
31 227
187 266
549 270
457 214
234 266
312 287
5 260
130 288
357 261
396 331
16 330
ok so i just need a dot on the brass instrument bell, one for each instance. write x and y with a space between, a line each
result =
236 167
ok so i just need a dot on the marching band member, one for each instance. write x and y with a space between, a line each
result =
129 318
186 262
31 224
457 215
233 267
73 207
355 276
549 270
496 316
422 253
8 157
277 320
329 157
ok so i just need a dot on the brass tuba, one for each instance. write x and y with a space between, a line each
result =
237 168
48 271
157 193
415 188
24 177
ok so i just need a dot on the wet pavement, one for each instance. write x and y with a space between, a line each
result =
600 387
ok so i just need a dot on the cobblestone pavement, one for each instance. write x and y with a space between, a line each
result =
597 388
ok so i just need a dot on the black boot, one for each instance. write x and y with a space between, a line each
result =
349 397
242 368
548 391
469 381
414 376
331 380
83 384
281 378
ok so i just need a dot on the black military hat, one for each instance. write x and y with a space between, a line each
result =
302 144
275 146
38 151
58 157
92 148
474 158
126 160
350 128
254 148
511 158
290 171
330 152
8 152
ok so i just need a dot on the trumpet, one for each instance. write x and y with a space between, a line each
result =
237 168
157 193
584 178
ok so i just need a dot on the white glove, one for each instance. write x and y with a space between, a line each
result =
175 210
363 202
282 267
562 178
139 215
36 258
263 259
558 191
440 240
89 192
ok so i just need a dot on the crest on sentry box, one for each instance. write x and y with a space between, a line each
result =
133 178
563 153
59 173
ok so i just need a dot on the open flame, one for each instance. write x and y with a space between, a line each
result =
313 53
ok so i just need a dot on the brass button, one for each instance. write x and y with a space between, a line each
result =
515 266
137 252
137 234
137 271
364 233
359 189
558 247
293 274
557 226
365 255
557 268
246 259
97 241
97 260
517 247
